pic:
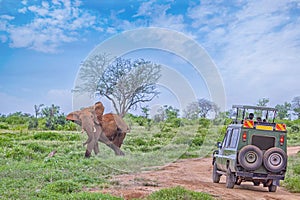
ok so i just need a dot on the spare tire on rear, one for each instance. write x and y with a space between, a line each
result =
275 159
250 157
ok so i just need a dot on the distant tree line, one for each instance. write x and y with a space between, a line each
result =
285 110
50 117
44 118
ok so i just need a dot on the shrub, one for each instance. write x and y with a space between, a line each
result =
56 136
4 125
33 123
19 152
174 122
178 193
295 129
37 147
297 169
204 123
293 183
166 129
62 186
70 126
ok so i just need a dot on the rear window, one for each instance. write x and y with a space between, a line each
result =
263 142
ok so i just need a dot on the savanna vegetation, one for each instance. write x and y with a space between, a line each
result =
28 172
42 157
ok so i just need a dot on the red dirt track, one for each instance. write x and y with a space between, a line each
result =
193 174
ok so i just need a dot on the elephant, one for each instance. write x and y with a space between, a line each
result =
114 128
90 120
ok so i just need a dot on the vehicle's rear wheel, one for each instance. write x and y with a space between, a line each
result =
275 159
215 176
272 188
230 179
250 157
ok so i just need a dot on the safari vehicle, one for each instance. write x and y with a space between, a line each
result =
252 150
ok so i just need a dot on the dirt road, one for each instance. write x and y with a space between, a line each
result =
193 174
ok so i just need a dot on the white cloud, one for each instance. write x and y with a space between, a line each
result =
256 47
22 10
152 14
55 23
3 38
145 9
6 17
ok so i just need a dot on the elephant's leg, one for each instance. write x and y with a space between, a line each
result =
90 137
87 141
118 141
90 148
106 141
96 147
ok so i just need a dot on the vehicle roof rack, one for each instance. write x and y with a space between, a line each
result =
254 107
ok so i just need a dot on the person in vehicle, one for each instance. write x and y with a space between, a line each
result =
251 116
258 119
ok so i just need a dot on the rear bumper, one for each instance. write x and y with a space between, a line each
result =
260 176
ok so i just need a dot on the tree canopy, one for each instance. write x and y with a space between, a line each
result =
296 106
124 82
200 108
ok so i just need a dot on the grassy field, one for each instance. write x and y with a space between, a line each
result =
292 180
27 172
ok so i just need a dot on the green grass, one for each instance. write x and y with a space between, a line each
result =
178 193
27 172
292 179
293 138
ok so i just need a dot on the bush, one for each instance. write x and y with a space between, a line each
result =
174 122
178 193
56 136
90 196
33 123
293 184
295 129
204 123
199 137
62 186
38 148
4 125
70 126
19 152
297 169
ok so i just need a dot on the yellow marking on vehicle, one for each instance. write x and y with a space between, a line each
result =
266 128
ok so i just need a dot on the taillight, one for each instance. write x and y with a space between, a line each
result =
244 136
281 140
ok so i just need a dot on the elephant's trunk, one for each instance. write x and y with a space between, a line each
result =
89 137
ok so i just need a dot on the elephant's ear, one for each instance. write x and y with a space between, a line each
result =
99 109
74 117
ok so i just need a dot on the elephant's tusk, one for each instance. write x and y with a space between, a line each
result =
94 129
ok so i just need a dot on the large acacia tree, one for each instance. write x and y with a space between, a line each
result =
200 108
125 82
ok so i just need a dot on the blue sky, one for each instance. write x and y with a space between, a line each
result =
254 44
